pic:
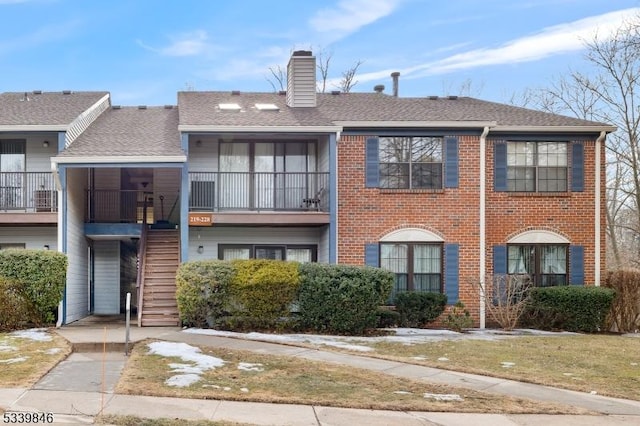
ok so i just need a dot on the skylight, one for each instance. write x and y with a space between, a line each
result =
267 107
229 107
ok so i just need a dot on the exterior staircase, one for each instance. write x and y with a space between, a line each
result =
161 260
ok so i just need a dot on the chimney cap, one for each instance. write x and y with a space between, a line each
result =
302 53
395 74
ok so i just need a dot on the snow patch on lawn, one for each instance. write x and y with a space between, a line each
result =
36 334
7 348
507 364
190 373
14 360
443 396
247 366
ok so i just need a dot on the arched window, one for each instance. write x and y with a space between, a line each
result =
542 255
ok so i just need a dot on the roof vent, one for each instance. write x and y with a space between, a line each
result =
378 88
453 97
267 107
37 92
282 92
335 92
433 97
66 92
25 98
168 107
229 107
142 107
116 107
235 92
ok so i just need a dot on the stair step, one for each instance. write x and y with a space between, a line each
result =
152 322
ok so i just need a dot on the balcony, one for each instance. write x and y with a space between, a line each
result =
259 192
118 206
28 192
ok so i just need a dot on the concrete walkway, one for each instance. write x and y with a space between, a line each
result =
81 387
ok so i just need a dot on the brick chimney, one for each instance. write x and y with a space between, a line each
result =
301 79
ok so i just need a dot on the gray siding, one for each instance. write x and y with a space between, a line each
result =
323 246
209 238
77 293
31 237
203 158
107 179
166 183
106 277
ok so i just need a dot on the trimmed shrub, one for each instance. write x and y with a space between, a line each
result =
625 309
16 311
264 289
387 318
570 308
202 291
459 318
417 309
39 277
342 299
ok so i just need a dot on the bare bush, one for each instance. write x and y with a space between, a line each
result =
508 299
625 310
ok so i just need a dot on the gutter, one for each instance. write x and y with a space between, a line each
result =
483 225
598 204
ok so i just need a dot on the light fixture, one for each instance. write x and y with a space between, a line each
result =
46 246
200 249
45 144
198 142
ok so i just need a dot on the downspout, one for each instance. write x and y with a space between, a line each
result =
483 225
598 203
60 230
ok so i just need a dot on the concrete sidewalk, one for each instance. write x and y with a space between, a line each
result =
77 390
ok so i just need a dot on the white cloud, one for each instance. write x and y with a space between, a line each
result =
44 35
350 15
187 44
550 41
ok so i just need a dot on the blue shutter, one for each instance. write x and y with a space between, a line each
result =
372 254
372 166
576 265
499 260
451 162
451 268
500 169
577 167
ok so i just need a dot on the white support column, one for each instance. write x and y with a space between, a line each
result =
483 225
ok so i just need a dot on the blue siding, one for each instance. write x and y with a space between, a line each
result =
372 171
576 265
500 169
451 275
372 254
577 167
451 162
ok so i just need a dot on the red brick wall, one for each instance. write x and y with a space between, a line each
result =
367 214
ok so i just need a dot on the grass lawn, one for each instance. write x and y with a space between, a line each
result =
606 364
139 421
296 381
24 360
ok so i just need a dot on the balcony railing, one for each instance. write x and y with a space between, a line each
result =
28 192
258 191
118 206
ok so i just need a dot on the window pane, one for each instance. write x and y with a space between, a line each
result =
521 259
395 150
553 259
274 253
426 150
302 255
520 153
394 175
426 283
426 175
552 179
521 179
393 257
552 154
427 258
236 253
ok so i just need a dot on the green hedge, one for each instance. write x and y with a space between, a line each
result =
417 309
264 289
203 291
570 308
342 299
34 280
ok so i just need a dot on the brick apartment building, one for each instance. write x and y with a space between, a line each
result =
443 191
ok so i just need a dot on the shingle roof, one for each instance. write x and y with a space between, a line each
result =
46 108
130 131
201 108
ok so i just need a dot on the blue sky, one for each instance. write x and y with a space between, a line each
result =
144 51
